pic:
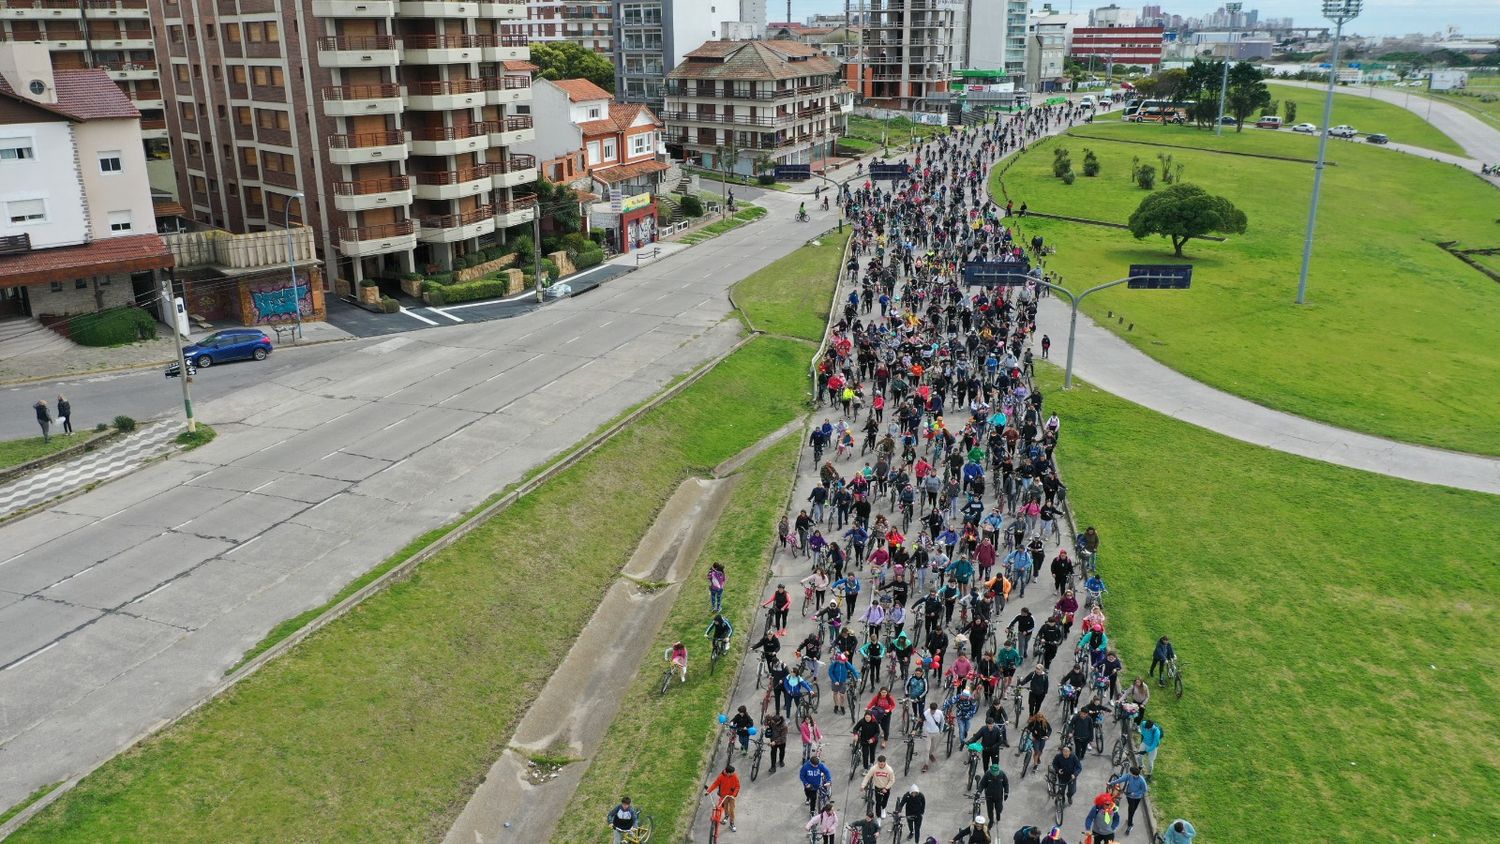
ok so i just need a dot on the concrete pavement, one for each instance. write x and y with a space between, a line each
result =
122 607
1111 364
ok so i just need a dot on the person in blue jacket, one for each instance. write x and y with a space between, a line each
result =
814 775
840 673
1150 742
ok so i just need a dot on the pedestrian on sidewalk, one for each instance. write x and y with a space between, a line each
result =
1135 791
1046 346
728 786
1150 743
44 419
65 415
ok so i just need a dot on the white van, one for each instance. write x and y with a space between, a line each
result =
1088 101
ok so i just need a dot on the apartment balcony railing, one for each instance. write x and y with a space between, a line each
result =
462 42
452 133
149 124
362 140
445 87
359 42
365 187
453 221
513 123
513 164
347 93
730 119
377 232
454 177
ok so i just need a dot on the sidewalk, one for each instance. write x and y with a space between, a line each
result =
111 461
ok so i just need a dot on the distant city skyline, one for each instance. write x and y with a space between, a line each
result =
1380 17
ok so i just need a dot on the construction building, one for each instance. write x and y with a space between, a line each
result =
910 50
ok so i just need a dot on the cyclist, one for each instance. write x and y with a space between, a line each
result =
1009 659
916 692
797 690
776 729
964 707
991 738
677 655
1082 724
866 734
742 724
976 833
872 653
769 646
780 605
814 775
719 630
1066 767
1163 654
728 786
867 829
840 672
622 819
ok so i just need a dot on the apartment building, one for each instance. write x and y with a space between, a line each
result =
385 125
909 53
110 34
588 141
1048 36
77 226
654 36
1125 45
995 37
587 23
731 104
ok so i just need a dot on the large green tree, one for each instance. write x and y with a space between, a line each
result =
1248 94
566 60
1185 211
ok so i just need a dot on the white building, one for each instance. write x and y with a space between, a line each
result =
654 36
995 40
1049 35
76 217
1112 15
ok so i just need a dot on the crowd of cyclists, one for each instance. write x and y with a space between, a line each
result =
936 503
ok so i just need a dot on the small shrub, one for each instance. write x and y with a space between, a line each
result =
550 269
437 296
766 179
369 282
1090 163
412 277
471 291
1069 177
389 305
100 428
589 258
578 242
1061 163
1146 177
523 247
124 423
597 236
692 206
201 435
441 278
1135 167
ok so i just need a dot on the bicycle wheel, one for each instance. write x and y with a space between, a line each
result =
813 698
760 749
1060 804
1120 751
715 820
1177 684
760 673
973 765
911 753
898 828
853 762
643 829
951 731
1026 759
666 682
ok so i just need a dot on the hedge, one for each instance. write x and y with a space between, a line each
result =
589 258
112 328
488 288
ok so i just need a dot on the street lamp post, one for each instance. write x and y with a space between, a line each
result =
1337 11
1233 9
291 261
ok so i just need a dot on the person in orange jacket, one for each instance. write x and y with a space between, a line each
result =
728 786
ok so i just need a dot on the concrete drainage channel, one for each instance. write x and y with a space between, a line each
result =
522 799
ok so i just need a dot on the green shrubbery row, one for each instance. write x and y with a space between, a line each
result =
112 328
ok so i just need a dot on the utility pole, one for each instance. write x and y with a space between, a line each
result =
1338 11
291 263
1233 9
536 249
167 283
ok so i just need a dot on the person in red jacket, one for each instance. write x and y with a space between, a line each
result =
728 786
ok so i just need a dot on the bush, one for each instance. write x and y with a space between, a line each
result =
1061 163
124 423
692 206
578 242
589 258
369 282
1069 177
412 277
597 236
100 428
435 296
389 305
487 288
494 253
1090 163
441 278
1146 177
523 246
114 327
766 179
550 269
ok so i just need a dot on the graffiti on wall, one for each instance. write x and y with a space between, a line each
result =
279 302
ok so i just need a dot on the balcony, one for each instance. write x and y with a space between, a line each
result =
445 49
453 184
131 39
450 140
355 100
156 128
446 95
367 147
359 241
512 171
147 100
124 9
510 131
354 8
507 90
359 51
515 212
365 194
437 8
39 9
511 10
119 71
733 120
502 48
449 228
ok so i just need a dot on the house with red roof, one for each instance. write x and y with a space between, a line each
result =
587 140
77 224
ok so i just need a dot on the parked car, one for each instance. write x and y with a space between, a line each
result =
228 345
559 291
1088 101
1227 120
1377 138
1306 128
1268 121
1343 130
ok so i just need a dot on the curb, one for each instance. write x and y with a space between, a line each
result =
93 442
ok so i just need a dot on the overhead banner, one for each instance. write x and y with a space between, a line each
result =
635 203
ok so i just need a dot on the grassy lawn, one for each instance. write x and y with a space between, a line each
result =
791 297
27 449
1340 685
1387 306
379 726
897 130
678 728
746 214
1367 115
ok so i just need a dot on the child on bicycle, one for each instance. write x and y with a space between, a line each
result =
677 655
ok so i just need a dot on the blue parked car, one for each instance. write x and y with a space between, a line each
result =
223 346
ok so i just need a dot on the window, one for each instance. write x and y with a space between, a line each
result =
56 287
248 157
242 115
593 112
23 211
641 144
609 150
593 148
119 221
271 119
16 149
80 284
267 76
237 74
109 161
183 75
231 33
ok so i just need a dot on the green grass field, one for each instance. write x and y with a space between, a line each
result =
896 131
679 728
1365 114
791 297
27 449
1334 627
379 726
1399 337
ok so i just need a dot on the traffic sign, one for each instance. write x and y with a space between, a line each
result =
793 172
890 171
1160 276
996 273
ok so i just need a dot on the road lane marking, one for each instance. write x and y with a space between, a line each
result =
416 316
445 314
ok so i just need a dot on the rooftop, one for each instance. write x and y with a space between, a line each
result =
129 254
621 117
82 94
580 90
753 60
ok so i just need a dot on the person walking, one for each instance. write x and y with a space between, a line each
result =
1179 832
621 819
996 789
44 419
814 776
728 786
1150 743
932 727
716 580
912 805
1036 689
1046 346
775 727
1135 787
883 777
65 415
1103 820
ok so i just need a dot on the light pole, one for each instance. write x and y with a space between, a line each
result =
1337 11
291 262
169 301
1233 9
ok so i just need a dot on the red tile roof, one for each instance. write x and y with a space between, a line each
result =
129 254
82 94
625 172
579 90
758 60
621 117
517 65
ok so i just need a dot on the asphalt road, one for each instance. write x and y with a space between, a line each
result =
1479 140
121 608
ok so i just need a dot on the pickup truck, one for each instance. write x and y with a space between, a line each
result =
1342 131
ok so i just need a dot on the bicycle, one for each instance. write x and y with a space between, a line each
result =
1026 749
719 650
760 749
854 759
1173 675
911 752
716 820
898 828
1015 700
641 833
1058 794
1123 753
974 773
666 679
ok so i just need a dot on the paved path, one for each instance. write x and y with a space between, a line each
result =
110 461
123 606
1479 140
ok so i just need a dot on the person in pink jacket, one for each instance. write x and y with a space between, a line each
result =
716 580
826 823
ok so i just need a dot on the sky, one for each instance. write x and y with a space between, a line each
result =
1380 17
